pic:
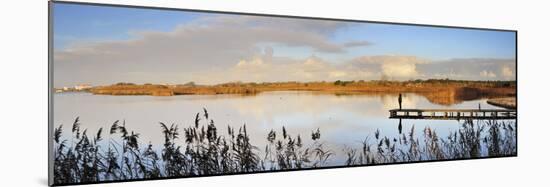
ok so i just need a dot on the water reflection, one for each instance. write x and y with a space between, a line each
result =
344 120
400 127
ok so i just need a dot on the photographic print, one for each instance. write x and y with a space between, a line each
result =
141 93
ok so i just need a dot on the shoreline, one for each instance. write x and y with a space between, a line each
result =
507 102
444 92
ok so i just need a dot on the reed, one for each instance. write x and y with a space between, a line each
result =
120 155
472 140
444 92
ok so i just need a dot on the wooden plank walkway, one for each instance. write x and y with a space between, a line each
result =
452 114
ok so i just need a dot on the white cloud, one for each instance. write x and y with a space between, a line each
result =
487 74
392 66
215 49
468 69
214 42
276 69
507 72
337 74
265 68
399 69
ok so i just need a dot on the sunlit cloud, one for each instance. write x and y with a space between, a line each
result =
212 42
487 74
470 69
391 66
217 49
507 72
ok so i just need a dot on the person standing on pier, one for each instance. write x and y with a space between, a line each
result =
400 99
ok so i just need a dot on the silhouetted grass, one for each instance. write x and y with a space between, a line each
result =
472 140
120 155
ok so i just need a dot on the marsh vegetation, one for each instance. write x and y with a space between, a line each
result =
118 153
440 91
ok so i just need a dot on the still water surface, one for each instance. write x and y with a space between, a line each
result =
344 120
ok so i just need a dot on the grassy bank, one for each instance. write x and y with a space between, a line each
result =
508 102
437 91
119 154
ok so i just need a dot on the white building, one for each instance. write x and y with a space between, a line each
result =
82 86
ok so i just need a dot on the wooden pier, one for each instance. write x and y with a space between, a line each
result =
453 114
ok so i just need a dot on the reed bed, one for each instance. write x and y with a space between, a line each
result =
474 139
439 91
120 155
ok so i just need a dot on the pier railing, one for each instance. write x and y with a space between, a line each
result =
453 114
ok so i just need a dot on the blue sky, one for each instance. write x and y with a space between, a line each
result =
433 42
75 22
192 42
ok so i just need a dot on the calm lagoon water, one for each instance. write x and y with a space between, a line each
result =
344 120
